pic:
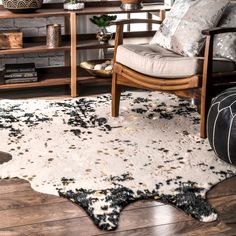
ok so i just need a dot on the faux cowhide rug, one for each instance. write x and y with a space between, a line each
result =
74 148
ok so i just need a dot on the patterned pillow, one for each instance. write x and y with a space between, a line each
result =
181 30
225 44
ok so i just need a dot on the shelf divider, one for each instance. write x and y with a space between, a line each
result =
73 55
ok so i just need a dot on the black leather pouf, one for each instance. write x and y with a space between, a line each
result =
221 125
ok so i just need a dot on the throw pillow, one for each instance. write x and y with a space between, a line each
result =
225 44
181 31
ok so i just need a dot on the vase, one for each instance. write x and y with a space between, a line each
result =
53 36
22 6
103 35
131 4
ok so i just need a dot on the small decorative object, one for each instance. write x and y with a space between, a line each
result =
22 6
73 5
98 68
103 35
221 125
10 39
102 22
131 4
53 35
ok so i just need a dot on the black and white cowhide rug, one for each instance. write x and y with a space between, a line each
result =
74 148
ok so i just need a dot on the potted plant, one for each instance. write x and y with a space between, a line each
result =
102 22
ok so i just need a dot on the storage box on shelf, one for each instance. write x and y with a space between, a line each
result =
72 74
10 39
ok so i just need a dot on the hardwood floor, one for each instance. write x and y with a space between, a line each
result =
26 212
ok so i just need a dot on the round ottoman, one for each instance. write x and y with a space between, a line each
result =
221 125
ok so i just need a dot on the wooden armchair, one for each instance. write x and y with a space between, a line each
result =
202 86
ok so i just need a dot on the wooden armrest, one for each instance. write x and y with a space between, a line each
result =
208 55
135 21
218 30
208 64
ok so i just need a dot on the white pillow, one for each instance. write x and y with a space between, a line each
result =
225 44
181 30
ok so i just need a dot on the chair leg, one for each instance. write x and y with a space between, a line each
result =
205 106
116 91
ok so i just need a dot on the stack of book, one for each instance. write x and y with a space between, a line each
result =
20 73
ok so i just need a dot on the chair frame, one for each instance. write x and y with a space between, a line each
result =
202 87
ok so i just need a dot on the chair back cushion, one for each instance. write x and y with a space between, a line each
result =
225 44
181 31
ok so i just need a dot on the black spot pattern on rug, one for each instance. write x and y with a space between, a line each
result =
152 151
82 116
187 197
29 119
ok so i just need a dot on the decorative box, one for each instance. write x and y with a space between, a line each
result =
11 39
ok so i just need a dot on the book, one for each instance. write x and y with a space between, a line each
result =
1 80
23 67
20 80
20 75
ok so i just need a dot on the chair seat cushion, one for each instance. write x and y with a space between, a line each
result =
153 60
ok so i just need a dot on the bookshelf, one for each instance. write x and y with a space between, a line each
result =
72 43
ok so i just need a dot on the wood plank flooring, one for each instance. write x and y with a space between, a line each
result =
25 212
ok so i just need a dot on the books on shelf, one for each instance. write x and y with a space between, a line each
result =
20 73
20 80
24 67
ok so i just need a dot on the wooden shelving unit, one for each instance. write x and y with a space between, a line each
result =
35 47
53 76
71 44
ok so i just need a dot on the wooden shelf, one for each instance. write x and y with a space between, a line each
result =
117 9
129 38
35 47
38 44
56 12
93 44
5 14
53 76
41 83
